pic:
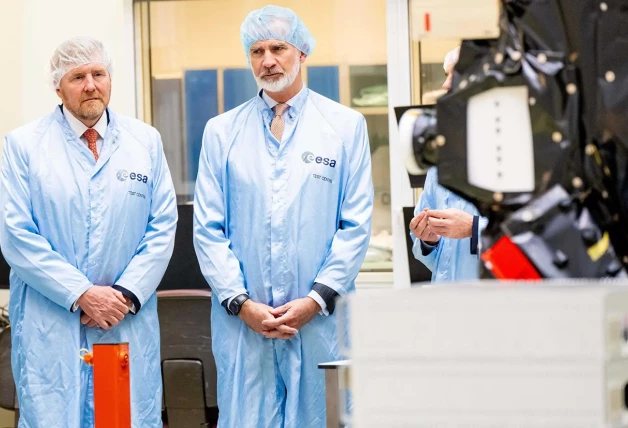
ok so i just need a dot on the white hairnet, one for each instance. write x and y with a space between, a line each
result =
451 58
274 22
75 53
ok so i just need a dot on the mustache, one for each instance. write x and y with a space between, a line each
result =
92 95
271 71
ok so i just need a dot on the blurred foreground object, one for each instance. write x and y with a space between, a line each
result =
525 355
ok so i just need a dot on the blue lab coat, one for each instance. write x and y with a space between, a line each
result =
271 219
67 223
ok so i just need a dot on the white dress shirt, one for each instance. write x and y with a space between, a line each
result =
79 128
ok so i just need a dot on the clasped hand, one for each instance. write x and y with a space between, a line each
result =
102 307
279 323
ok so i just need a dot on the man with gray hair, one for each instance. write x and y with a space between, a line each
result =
282 221
87 221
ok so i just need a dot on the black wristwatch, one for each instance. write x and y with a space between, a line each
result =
234 307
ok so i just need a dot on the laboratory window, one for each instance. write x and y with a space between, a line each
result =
193 67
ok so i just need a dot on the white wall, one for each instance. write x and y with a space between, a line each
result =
10 65
29 32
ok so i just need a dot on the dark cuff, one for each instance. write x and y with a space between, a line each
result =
426 249
474 234
225 304
130 295
327 294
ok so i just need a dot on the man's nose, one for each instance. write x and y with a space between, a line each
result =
90 85
269 60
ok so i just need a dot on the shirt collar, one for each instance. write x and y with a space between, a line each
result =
79 127
272 103
296 103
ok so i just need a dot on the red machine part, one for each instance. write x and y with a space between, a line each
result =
507 261
112 388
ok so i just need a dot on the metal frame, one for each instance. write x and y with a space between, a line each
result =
336 379
399 94
331 398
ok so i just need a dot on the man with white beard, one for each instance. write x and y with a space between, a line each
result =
282 221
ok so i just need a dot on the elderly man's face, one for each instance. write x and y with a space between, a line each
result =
450 73
86 91
275 64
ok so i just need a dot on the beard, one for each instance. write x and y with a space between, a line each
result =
281 82
90 110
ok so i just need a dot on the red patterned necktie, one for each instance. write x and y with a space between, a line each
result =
91 135
277 125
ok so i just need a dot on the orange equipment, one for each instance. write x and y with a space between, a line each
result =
112 388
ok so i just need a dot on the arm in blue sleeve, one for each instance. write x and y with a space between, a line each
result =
426 248
29 254
425 253
146 269
350 243
219 265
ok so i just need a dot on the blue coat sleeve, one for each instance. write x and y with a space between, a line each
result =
219 265
29 254
350 243
147 267
426 200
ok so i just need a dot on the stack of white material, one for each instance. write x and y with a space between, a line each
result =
492 355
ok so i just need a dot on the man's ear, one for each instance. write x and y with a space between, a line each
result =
302 57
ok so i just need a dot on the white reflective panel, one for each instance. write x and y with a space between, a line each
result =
500 154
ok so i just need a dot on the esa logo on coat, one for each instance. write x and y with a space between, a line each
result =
309 157
122 175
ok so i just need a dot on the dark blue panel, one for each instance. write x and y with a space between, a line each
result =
239 86
201 104
324 80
